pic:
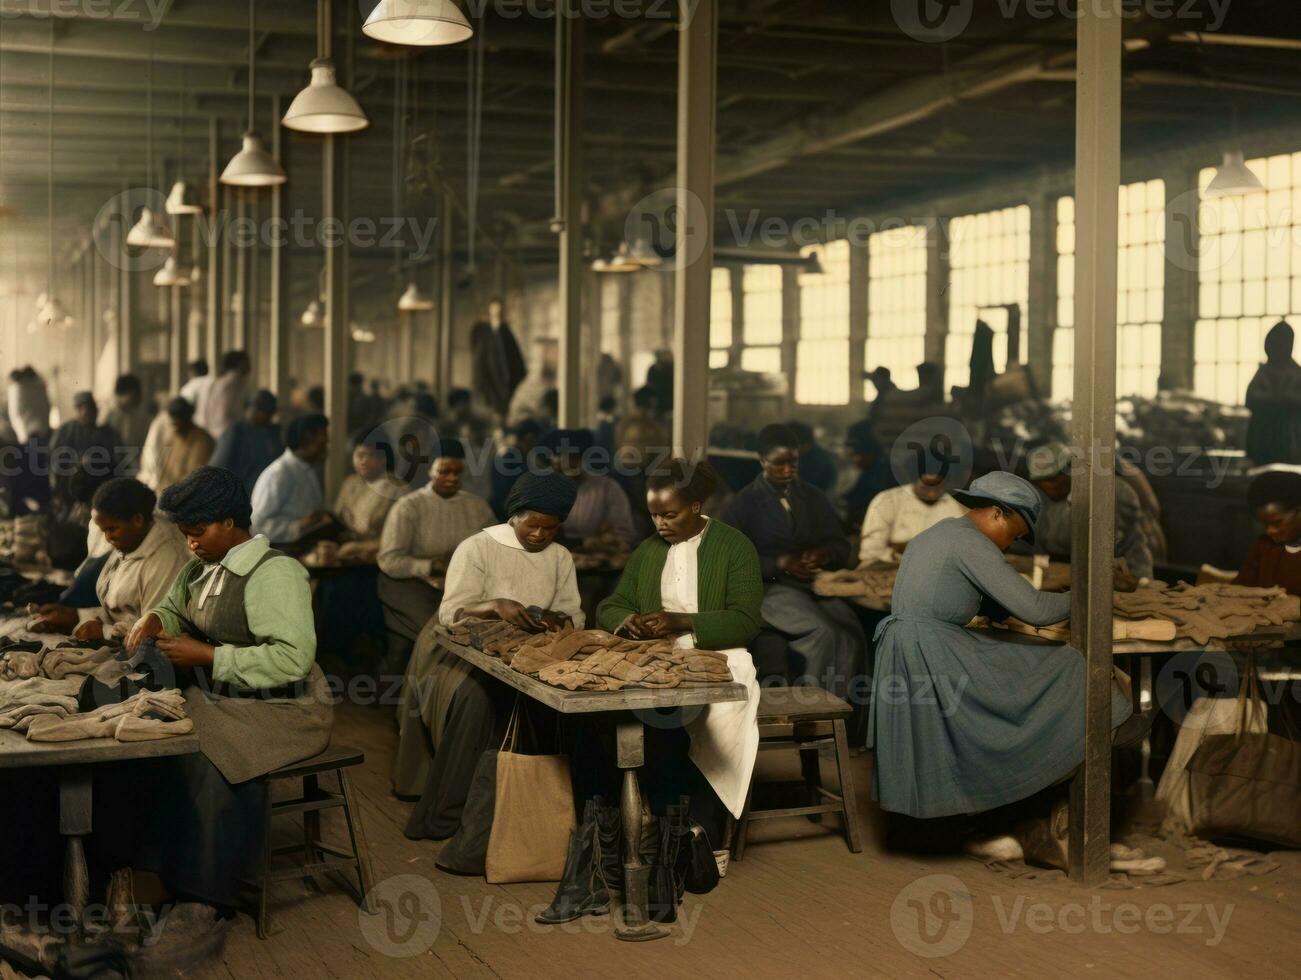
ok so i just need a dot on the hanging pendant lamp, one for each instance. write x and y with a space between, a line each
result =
148 231
170 274
418 23
181 200
314 315
325 106
253 166
414 301
50 312
1233 177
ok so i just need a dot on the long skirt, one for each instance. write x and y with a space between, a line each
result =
348 610
409 605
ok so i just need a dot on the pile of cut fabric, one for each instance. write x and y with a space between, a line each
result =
1216 610
874 582
594 660
66 692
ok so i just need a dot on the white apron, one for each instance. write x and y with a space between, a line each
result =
724 737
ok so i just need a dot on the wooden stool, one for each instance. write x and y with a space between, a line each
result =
805 719
337 759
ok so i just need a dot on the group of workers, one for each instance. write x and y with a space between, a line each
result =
209 571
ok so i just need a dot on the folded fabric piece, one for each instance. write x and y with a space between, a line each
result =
68 661
131 728
19 665
165 706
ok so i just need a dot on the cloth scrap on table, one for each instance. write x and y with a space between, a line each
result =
144 716
1214 610
595 660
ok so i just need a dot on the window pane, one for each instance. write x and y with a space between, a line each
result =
822 356
1250 272
720 311
989 254
896 304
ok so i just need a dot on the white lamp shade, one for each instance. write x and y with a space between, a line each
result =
52 314
181 200
196 274
324 107
623 261
414 301
170 275
420 23
644 255
253 166
314 315
362 335
149 232
1233 177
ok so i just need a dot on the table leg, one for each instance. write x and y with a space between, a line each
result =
74 824
636 926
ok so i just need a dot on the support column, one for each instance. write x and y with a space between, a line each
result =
858 324
278 324
1041 313
569 108
227 340
1182 257
337 339
1093 423
697 104
736 281
937 290
442 378
243 255
212 342
790 330
175 341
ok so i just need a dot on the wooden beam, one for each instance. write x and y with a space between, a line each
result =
697 102
570 35
1093 422
277 371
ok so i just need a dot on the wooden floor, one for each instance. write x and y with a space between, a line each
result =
794 907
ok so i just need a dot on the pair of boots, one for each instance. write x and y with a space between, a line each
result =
682 862
593 874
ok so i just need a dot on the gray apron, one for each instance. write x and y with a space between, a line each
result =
248 733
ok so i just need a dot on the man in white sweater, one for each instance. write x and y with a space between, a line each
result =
899 514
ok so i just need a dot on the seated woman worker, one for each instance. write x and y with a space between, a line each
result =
697 581
147 554
961 721
451 712
237 626
1275 556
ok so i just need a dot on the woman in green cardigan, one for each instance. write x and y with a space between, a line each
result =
698 580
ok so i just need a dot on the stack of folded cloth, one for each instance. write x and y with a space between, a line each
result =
23 660
21 702
594 660
144 716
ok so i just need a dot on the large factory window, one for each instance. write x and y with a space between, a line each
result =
822 357
720 318
761 289
896 304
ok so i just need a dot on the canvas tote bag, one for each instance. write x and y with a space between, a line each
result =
534 812
1247 784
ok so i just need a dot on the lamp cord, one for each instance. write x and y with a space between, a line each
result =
49 186
252 62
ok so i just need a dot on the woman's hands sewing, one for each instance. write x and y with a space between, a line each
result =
182 651
53 618
655 625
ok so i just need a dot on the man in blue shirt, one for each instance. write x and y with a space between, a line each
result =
288 500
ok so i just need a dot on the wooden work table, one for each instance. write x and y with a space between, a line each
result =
630 740
74 761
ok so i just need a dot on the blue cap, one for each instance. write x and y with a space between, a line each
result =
1004 490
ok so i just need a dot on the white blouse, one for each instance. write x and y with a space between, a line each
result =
679 584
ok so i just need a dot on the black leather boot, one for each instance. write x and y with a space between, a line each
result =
609 829
582 889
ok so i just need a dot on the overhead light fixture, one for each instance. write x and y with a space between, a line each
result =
196 274
1233 177
621 261
181 200
419 23
49 311
644 255
324 106
414 301
314 315
361 335
149 232
253 166
51 314
170 274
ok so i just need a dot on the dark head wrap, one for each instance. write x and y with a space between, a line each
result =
859 438
569 441
546 493
207 495
449 449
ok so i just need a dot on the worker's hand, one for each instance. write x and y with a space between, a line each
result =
816 558
635 628
54 619
91 629
438 567
510 611
186 651
144 628
315 520
661 624
555 621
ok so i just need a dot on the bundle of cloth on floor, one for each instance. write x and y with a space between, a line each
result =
594 660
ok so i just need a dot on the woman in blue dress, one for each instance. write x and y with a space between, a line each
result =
962 721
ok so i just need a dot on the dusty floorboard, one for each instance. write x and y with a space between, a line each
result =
798 906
